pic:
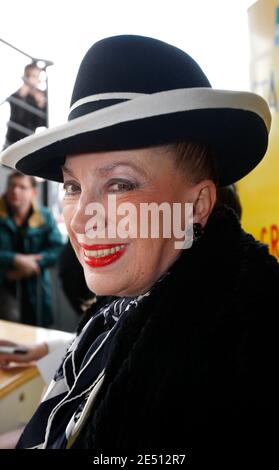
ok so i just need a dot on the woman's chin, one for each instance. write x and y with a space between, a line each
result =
107 279
101 285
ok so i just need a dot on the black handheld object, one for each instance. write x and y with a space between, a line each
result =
13 350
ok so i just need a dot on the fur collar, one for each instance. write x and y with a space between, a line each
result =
190 351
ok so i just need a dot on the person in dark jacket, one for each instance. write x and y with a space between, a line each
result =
182 360
30 243
28 106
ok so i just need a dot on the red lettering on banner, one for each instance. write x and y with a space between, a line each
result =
274 238
263 234
270 236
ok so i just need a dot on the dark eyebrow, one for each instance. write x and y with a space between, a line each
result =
107 169
67 170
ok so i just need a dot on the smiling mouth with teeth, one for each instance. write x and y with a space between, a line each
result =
102 255
105 252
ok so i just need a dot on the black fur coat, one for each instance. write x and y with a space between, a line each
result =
193 369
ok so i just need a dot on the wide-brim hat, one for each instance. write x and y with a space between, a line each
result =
134 92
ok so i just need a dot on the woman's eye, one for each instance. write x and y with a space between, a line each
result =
71 188
121 186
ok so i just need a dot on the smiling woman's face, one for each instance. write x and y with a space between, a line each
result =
129 266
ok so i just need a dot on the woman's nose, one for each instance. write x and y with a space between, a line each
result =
88 216
78 216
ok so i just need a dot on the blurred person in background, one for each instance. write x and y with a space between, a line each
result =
30 243
28 106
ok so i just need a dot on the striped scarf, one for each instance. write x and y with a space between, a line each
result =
71 394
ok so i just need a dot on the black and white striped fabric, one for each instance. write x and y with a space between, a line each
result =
71 393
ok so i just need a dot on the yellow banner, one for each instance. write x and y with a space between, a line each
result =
259 191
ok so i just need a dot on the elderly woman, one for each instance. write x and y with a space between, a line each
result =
180 349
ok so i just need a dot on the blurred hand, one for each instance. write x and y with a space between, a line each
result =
24 90
27 265
15 275
40 98
34 352
9 439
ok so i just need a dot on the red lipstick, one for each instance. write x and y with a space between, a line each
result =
101 259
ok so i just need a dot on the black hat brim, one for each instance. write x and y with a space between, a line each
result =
237 136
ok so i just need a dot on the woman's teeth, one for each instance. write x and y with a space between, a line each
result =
101 253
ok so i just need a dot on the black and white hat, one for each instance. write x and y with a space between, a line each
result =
134 92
